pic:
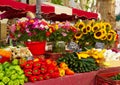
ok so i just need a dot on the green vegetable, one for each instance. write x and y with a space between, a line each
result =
6 64
5 80
15 62
1 67
10 82
26 79
1 75
1 83
21 81
21 76
14 76
16 82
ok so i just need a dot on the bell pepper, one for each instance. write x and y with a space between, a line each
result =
16 82
40 77
33 78
63 65
1 83
15 62
26 79
1 75
1 67
21 76
14 76
37 64
28 65
69 72
55 74
47 76
36 71
43 69
10 82
6 64
28 72
21 81
62 72
5 80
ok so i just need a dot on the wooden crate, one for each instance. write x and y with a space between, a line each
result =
3 31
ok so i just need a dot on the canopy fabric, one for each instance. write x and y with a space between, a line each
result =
48 10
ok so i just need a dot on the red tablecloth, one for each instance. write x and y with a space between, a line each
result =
77 79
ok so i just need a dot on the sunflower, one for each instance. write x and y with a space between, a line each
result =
84 30
112 31
81 25
95 28
104 31
88 28
98 35
91 23
78 35
109 36
107 25
104 37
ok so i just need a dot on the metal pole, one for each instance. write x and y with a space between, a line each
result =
38 9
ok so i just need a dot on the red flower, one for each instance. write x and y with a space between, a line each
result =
48 34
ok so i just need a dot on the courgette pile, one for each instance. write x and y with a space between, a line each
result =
79 65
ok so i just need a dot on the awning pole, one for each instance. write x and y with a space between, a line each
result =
38 9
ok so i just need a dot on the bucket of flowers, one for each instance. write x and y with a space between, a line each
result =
33 32
94 34
61 34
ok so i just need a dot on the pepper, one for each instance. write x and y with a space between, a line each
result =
21 81
1 83
21 76
40 77
1 75
16 82
28 72
37 64
55 74
10 82
5 80
43 69
63 65
15 62
14 76
69 72
33 78
47 76
36 71
1 67
28 65
61 71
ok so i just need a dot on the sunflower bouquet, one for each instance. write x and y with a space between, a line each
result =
92 32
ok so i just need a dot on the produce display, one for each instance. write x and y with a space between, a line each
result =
11 74
79 65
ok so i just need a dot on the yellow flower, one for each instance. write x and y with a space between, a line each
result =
56 27
84 30
81 25
91 23
107 25
103 31
112 31
104 37
88 28
109 36
98 35
78 35
95 28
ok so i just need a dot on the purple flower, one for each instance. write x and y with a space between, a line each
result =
29 34
27 30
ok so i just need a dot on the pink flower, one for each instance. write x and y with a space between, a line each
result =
12 28
64 34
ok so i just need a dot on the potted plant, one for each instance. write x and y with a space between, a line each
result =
33 32
61 33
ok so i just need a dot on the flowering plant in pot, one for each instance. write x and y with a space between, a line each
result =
34 30
60 34
91 32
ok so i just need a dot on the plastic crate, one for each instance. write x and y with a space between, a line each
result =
103 77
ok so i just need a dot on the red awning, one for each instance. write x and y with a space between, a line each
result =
49 11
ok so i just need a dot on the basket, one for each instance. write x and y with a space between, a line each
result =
36 47
103 77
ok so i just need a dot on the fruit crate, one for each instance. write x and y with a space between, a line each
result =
103 77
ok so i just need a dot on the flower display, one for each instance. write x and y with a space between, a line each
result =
32 29
62 31
91 32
